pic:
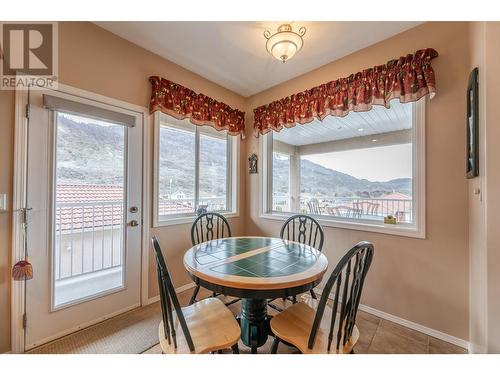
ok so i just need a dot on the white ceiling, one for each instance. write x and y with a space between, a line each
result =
356 124
233 54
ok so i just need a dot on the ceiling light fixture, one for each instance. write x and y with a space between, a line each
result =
360 129
285 43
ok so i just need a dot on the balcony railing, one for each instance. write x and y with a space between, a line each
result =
88 237
187 205
353 208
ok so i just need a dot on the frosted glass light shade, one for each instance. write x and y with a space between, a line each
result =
285 43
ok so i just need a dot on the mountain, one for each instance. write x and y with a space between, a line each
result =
90 153
317 180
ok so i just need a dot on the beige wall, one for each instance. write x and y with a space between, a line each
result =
96 60
483 208
492 116
424 281
477 206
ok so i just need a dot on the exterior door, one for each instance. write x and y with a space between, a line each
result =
84 183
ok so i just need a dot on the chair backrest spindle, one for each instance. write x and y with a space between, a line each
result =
204 228
348 279
304 229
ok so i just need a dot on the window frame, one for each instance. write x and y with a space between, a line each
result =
416 230
232 179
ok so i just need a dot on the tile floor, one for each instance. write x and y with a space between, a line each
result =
378 336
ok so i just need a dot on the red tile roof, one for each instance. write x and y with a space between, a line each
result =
80 207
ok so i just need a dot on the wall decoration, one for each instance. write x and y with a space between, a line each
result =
252 164
472 152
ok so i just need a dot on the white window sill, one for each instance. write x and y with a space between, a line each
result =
187 219
404 230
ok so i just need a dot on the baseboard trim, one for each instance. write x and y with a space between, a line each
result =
180 289
412 325
80 327
417 327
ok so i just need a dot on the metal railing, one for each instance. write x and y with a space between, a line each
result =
352 207
88 237
187 205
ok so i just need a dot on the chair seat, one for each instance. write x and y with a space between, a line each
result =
211 324
294 326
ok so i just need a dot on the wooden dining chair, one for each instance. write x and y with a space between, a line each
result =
306 230
313 326
204 327
206 227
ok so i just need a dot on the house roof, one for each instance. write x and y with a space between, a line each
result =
396 196
87 206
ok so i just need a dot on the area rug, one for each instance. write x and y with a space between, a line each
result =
133 332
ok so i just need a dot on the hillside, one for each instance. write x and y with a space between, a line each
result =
321 181
93 154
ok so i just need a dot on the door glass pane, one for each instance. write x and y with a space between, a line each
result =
89 207
213 169
176 174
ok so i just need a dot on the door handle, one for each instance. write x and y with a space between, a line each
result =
133 223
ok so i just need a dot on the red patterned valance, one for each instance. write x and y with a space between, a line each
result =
409 78
181 102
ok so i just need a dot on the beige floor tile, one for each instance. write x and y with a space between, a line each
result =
366 316
367 329
400 330
437 346
154 350
387 341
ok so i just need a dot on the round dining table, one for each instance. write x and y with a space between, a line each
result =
255 269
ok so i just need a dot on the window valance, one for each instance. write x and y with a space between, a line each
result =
181 102
408 78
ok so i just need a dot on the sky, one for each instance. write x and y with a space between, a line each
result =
374 164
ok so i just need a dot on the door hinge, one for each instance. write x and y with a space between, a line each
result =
28 111
25 320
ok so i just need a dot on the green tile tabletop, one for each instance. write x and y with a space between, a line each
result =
255 262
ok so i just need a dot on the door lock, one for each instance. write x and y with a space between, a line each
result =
133 223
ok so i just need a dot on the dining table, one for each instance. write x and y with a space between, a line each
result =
257 270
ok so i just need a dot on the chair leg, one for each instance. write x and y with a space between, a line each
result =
313 295
352 351
219 351
274 348
294 300
235 348
214 294
195 293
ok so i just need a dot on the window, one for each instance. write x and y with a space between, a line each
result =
195 170
350 172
